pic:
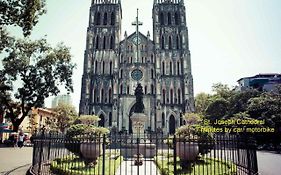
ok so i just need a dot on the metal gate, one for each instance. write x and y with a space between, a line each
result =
150 154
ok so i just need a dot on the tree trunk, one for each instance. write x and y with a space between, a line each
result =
16 123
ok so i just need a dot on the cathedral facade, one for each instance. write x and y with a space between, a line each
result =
160 63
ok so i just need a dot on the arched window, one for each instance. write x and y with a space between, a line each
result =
162 42
163 68
178 67
171 68
104 42
179 96
96 67
178 42
170 42
121 89
112 18
109 95
102 95
105 19
152 61
164 95
131 60
169 18
152 73
142 60
111 42
152 88
97 42
121 73
110 68
177 18
97 18
161 18
128 89
163 120
145 89
110 119
103 67
95 95
172 96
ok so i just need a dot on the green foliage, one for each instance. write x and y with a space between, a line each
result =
23 13
64 114
82 131
72 165
87 119
38 70
202 101
217 109
77 133
204 164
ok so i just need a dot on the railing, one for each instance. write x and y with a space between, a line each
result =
151 154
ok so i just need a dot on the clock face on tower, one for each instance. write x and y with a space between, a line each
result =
137 74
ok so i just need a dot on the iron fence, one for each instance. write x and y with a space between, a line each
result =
151 154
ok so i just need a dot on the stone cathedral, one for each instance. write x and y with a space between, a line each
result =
160 63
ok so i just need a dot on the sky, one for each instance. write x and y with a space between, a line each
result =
228 39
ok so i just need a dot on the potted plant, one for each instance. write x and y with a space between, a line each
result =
85 139
190 140
187 148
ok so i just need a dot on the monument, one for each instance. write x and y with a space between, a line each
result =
139 118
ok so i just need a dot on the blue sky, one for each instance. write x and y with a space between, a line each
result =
229 39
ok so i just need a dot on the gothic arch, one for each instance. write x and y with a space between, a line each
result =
170 42
112 18
111 42
163 67
130 112
102 117
97 42
172 124
161 18
162 42
97 18
169 18
104 42
105 18
163 120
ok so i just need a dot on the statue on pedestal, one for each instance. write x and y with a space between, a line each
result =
139 106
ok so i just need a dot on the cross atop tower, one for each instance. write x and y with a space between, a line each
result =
137 23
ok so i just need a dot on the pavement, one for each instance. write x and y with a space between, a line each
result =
15 161
128 168
269 163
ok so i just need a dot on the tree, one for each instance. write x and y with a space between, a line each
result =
222 91
239 100
38 70
202 101
23 13
65 115
218 109
267 106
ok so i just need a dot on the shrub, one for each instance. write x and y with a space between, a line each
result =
81 132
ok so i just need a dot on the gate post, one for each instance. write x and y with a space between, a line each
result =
103 155
175 154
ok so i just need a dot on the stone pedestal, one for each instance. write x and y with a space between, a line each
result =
138 123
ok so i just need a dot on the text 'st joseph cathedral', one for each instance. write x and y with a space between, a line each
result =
161 63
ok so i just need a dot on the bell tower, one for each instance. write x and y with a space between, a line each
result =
100 60
173 66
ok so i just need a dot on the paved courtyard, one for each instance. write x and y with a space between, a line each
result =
11 158
127 168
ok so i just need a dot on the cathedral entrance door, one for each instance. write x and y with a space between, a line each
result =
172 125
130 121
101 122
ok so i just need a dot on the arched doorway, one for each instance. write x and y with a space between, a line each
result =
101 122
172 125
130 121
